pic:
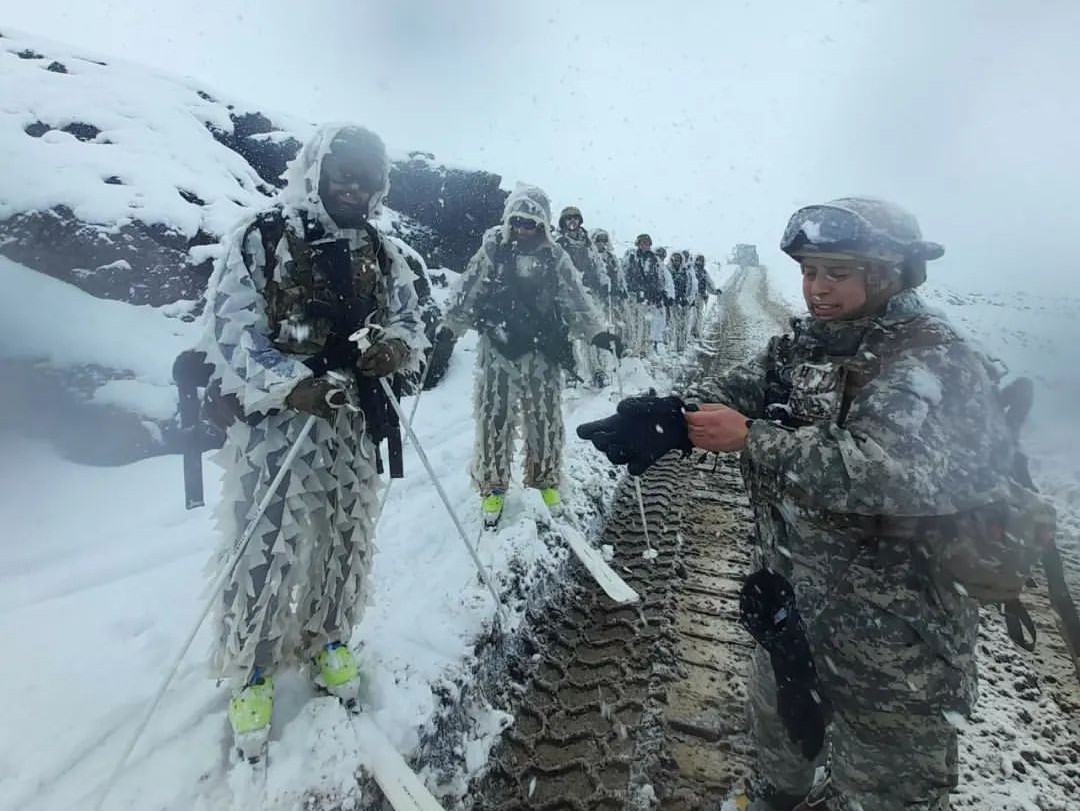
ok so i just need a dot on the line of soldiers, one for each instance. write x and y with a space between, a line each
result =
297 283
655 301
547 304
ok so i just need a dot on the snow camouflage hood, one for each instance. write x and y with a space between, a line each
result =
530 202
864 227
302 175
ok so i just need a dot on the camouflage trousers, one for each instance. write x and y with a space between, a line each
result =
638 336
697 318
678 328
879 761
523 394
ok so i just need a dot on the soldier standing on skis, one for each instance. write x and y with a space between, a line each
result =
524 297
868 437
642 274
679 320
574 239
704 289
296 281
615 306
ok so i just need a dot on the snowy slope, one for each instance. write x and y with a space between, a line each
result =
108 578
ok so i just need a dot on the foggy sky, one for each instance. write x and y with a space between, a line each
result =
705 124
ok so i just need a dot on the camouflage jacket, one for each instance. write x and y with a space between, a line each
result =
585 259
858 430
523 301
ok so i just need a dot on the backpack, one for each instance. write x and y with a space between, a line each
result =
989 553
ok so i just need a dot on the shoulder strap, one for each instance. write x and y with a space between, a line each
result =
381 254
271 225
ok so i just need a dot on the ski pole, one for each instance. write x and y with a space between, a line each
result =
641 509
480 570
238 551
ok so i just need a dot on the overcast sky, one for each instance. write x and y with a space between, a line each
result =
705 123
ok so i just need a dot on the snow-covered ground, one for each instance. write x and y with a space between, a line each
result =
102 577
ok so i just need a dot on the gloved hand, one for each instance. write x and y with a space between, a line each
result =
609 341
383 358
767 610
643 429
316 395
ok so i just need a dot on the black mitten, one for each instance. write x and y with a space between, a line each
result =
642 430
767 610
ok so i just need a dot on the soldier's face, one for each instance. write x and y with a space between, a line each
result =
572 223
644 244
834 289
346 190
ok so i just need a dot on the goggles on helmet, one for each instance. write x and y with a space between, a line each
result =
831 229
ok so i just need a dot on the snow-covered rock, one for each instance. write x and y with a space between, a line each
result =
120 181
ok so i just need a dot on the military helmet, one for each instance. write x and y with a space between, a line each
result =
569 211
865 227
661 252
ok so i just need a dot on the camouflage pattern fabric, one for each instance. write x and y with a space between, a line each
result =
527 387
857 446
512 396
645 288
314 544
880 760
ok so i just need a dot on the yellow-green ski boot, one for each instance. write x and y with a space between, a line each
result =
552 499
492 507
338 673
250 712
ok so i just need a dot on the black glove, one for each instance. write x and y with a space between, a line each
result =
643 429
767 610
609 341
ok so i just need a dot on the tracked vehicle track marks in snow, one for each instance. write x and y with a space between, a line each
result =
643 706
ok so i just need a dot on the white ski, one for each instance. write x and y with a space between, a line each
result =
398 782
613 585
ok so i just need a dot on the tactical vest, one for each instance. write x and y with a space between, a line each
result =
326 289
516 323
322 293
987 552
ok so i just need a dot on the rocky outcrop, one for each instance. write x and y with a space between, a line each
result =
143 226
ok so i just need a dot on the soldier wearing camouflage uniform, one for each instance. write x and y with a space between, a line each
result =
872 414
574 239
703 288
294 282
524 297
682 285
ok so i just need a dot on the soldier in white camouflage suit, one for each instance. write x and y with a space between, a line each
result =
873 414
295 281
524 297
868 436
574 239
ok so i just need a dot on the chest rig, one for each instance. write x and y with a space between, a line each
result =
325 289
813 376
520 313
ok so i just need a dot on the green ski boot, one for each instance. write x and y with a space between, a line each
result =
552 499
492 508
250 712
338 673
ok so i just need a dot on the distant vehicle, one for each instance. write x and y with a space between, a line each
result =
745 255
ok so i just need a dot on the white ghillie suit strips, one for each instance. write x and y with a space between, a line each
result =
519 374
313 548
